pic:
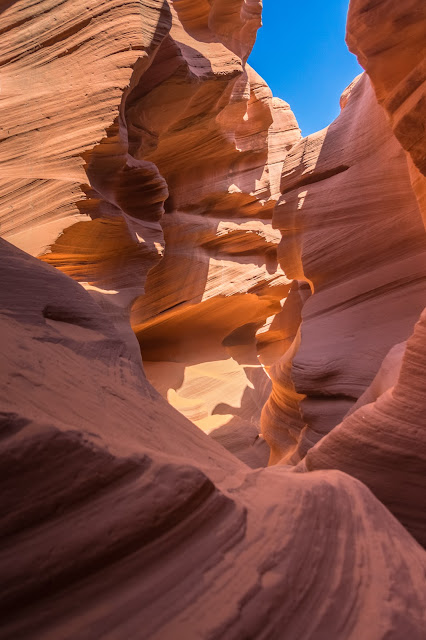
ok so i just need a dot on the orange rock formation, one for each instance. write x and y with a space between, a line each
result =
184 102
389 40
177 214
352 228
383 442
122 519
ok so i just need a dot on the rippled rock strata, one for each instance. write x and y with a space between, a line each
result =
196 256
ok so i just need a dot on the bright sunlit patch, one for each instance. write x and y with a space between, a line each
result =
159 247
209 393
302 195
91 287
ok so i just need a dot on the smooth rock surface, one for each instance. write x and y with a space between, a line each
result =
196 258
383 442
121 519
389 40
174 119
351 228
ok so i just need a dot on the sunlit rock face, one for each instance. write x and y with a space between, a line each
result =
120 517
382 441
358 239
352 228
219 279
389 40
70 192
220 140
143 159
360 243
185 122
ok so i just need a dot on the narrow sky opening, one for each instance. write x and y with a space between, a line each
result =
301 53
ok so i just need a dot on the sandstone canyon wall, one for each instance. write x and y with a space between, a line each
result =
121 519
255 272
390 43
351 219
385 439
352 228
188 124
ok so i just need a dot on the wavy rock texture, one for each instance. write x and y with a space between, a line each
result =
68 187
197 329
220 144
143 158
382 442
389 40
187 123
46 49
122 519
352 228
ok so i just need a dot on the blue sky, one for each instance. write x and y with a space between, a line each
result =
301 53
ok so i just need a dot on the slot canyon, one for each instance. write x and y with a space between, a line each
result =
213 335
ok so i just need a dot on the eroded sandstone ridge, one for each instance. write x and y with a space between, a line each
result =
122 519
146 161
389 40
352 228
186 123
389 435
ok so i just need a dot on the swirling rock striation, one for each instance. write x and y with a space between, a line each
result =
354 326
121 518
143 158
352 229
184 125
389 40
382 441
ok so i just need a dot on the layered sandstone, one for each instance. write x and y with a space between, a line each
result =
351 227
68 187
382 440
221 152
189 127
122 519
389 40
146 161
197 328
367 275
